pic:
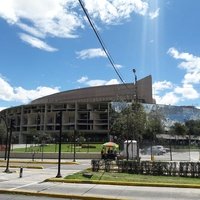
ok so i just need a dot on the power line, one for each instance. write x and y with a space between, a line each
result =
101 42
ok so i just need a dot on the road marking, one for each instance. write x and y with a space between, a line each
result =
23 186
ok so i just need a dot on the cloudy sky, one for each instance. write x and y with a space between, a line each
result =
48 46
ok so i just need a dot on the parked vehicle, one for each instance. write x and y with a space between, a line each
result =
156 150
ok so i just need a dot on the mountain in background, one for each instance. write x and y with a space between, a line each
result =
172 114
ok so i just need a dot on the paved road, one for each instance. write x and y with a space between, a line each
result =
115 192
176 156
25 197
32 181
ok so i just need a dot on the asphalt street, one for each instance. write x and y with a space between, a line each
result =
25 197
193 156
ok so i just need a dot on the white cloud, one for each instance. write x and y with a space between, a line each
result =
161 85
26 96
118 66
169 98
154 14
163 93
2 108
47 16
184 56
102 82
43 18
114 11
19 94
31 30
35 42
82 79
62 18
6 91
91 53
190 63
97 82
192 77
187 91
112 82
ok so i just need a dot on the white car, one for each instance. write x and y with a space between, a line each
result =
156 150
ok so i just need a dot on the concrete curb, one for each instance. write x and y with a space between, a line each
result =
195 186
55 195
28 167
41 162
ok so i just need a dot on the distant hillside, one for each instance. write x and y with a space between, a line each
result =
171 114
174 114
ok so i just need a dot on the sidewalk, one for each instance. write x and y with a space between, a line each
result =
32 183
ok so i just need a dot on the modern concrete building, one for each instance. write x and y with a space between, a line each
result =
85 110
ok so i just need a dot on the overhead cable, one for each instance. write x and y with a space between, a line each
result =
101 42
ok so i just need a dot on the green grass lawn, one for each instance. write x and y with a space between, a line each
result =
125 177
64 147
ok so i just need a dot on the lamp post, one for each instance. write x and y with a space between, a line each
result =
59 115
12 123
135 76
136 110
74 157
7 130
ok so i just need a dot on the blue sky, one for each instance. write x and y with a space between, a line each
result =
48 46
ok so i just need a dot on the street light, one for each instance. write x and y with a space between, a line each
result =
7 129
12 123
74 157
136 96
59 118
136 101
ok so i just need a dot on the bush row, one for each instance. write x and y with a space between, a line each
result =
185 169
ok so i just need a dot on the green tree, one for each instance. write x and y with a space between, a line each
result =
130 124
175 130
193 127
178 129
2 133
44 138
154 126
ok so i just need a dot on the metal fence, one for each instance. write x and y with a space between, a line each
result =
165 151
184 169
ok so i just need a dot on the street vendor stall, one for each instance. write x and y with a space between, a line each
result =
109 150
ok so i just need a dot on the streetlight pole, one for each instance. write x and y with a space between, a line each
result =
60 139
9 145
7 130
74 157
136 110
135 76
